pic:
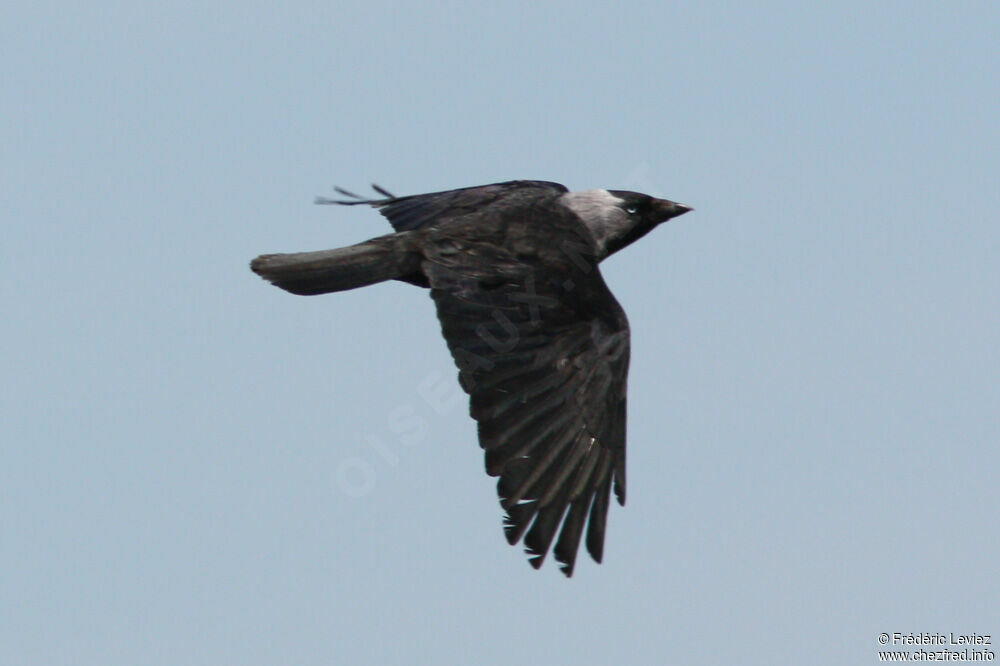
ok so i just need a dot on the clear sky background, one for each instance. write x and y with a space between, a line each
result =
198 468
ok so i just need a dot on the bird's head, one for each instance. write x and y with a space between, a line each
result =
617 218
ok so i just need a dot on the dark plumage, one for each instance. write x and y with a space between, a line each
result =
541 344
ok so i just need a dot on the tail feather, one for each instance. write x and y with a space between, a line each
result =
309 273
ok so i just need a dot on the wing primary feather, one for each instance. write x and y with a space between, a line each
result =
567 468
539 537
356 199
498 457
323 201
503 432
498 410
597 522
620 481
517 520
347 193
569 539
541 466
583 498
586 471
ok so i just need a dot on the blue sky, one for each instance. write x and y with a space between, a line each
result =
815 384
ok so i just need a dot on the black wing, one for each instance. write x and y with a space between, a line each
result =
416 211
542 347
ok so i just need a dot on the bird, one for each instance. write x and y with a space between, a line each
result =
540 342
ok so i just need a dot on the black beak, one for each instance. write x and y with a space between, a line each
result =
669 209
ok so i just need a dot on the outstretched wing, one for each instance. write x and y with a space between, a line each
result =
542 348
416 211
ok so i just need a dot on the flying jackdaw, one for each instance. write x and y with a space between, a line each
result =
541 344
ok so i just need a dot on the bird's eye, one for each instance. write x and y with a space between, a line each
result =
631 209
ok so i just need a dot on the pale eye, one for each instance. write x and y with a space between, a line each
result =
631 210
